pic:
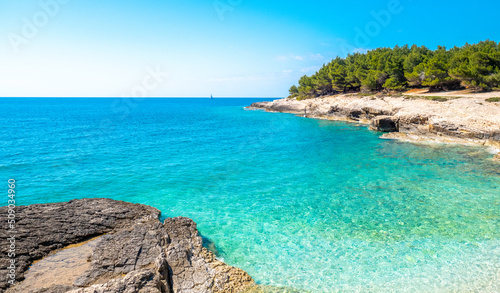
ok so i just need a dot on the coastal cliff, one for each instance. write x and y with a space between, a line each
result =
461 120
108 246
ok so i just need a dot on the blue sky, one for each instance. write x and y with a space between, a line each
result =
228 48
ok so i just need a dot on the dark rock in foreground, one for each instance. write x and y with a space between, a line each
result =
128 250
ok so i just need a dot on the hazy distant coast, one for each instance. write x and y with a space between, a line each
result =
470 119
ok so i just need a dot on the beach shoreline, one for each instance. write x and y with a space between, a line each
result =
467 120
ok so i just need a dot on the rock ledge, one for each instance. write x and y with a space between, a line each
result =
464 120
108 246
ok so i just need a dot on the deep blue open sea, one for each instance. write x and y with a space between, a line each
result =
308 204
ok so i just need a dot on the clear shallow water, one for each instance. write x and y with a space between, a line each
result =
316 205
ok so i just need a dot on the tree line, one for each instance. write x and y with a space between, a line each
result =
475 66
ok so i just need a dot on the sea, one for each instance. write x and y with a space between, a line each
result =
300 204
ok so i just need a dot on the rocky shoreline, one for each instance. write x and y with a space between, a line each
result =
463 120
108 246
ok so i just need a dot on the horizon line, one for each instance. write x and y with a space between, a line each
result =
150 97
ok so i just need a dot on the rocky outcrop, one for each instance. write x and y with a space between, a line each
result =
41 229
289 106
464 120
194 268
102 245
128 250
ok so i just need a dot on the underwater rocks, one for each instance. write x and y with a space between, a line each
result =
107 246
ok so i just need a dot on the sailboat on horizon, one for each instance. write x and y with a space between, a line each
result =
211 97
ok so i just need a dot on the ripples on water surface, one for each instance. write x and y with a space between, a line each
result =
316 205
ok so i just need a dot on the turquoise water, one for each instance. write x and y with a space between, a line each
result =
316 205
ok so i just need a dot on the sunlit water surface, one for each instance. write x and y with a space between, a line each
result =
315 205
